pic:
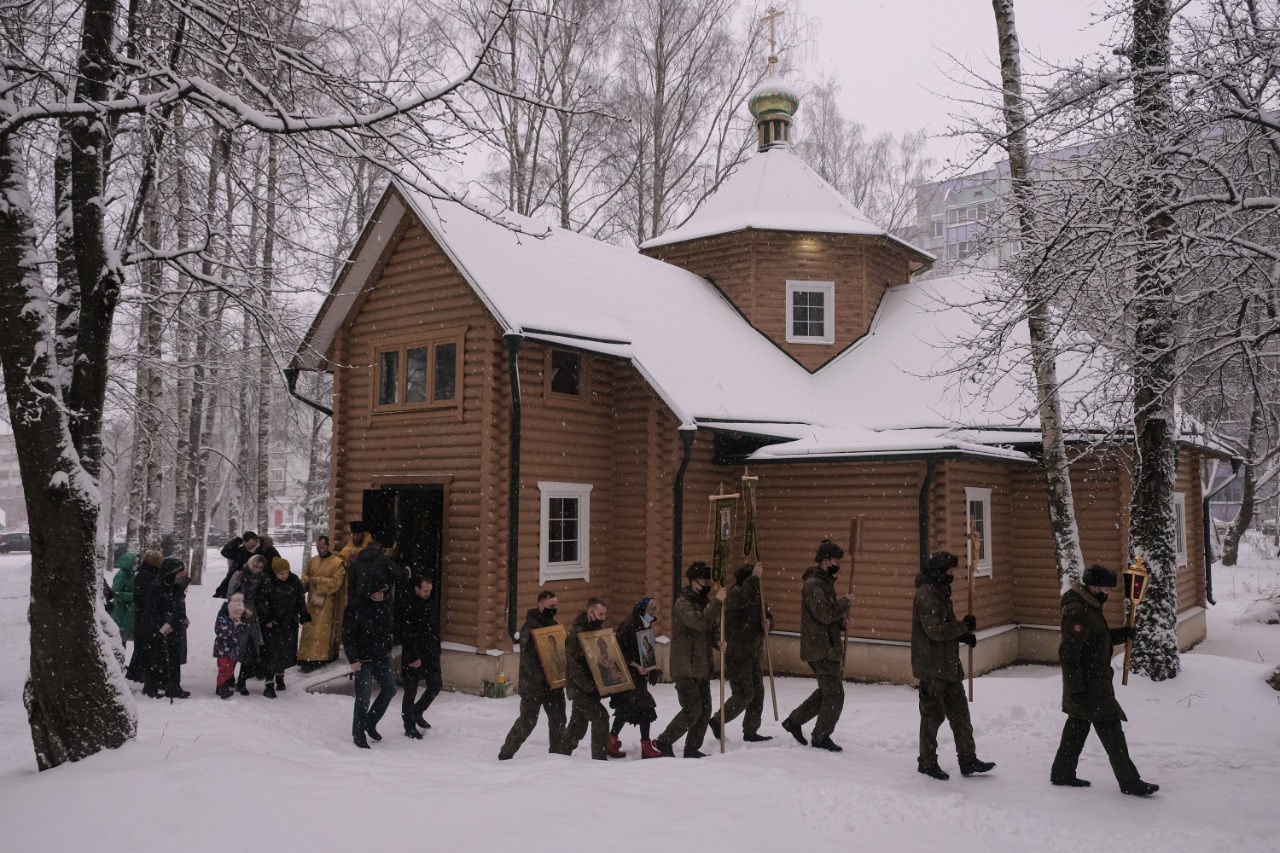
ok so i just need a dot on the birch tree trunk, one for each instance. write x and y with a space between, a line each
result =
186 365
264 353
1042 329
1151 523
1244 516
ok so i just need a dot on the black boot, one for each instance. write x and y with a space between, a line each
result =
794 728
828 744
225 689
969 766
935 771
411 731
1070 781
756 737
694 753
1139 788
372 731
421 722
665 749
175 691
269 691
715 727
241 687
280 682
149 689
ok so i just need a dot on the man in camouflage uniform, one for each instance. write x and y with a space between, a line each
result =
936 636
1088 694
588 710
535 693
822 616
745 625
694 624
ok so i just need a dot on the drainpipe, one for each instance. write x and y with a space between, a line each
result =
1207 524
291 382
513 342
677 521
924 509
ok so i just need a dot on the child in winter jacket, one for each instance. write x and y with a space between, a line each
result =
230 635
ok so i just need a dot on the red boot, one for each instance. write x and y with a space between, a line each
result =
648 750
614 747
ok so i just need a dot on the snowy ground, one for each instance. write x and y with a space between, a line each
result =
253 774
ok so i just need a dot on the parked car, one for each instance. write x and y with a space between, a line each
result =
288 534
217 537
14 540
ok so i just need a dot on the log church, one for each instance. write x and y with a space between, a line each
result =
519 407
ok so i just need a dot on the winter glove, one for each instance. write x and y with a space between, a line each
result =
969 639
970 623
1126 633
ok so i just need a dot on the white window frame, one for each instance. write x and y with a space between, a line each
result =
1180 529
568 570
828 289
984 496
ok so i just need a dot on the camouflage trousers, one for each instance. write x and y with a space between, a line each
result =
944 700
746 680
695 714
825 703
553 703
587 711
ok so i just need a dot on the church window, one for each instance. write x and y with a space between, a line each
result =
565 532
977 518
420 375
566 372
1180 528
810 312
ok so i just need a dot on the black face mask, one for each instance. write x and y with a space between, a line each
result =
550 612
703 592
833 570
1102 597
595 624
181 583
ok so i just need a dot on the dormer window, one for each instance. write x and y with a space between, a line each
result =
810 312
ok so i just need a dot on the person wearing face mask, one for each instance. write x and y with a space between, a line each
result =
1088 694
822 616
694 627
746 623
536 694
936 635
588 710
636 706
171 607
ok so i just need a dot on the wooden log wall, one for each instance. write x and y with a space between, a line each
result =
752 268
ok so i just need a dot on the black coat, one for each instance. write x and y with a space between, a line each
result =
279 606
1088 686
370 570
237 555
146 629
419 632
171 609
365 635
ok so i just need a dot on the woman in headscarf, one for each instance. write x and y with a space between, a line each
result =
636 706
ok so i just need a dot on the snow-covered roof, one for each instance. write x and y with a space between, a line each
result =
776 191
896 391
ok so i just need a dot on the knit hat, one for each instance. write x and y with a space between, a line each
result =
828 550
1097 575
939 562
744 571
278 565
698 572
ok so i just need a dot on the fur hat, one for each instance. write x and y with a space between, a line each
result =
171 566
152 558
698 572
939 562
1097 575
278 565
744 571
828 550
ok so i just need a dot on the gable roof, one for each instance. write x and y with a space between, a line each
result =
775 190
896 391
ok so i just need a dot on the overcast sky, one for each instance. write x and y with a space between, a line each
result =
895 59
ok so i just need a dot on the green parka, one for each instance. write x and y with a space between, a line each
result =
935 631
743 630
122 592
533 678
694 633
822 615
577 671
1088 688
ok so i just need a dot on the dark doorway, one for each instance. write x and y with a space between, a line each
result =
409 522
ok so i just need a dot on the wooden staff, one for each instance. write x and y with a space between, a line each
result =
971 550
1128 643
855 542
754 536
1135 589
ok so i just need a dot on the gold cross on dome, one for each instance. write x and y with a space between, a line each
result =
771 16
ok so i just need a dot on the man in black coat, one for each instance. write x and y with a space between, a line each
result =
368 568
1088 694
419 656
237 551
535 693
366 639
936 635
